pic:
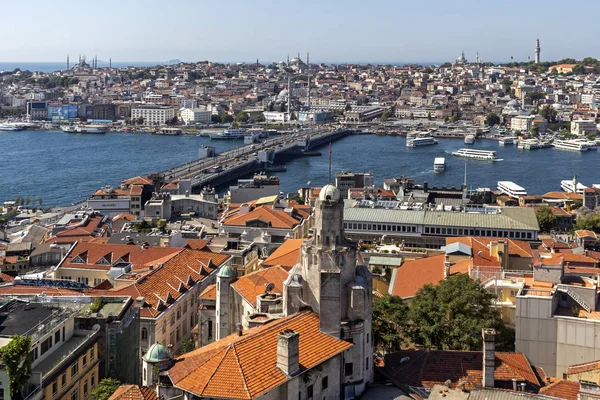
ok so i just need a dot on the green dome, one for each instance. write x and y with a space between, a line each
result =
226 272
156 353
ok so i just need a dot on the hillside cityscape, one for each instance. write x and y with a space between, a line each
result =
261 269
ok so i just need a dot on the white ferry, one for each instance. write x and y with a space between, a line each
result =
439 164
572 186
421 141
571 145
511 189
469 139
477 154
591 144
11 127
91 129
528 144
506 141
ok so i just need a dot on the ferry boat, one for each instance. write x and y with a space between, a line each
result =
506 141
477 154
231 134
511 189
469 139
439 164
528 144
421 141
10 127
591 144
572 186
87 129
571 145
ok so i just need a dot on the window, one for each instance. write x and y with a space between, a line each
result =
367 338
210 329
63 380
309 391
192 320
74 369
46 345
144 334
178 336
348 369
84 362
63 336
92 354
93 380
324 383
75 395
54 388
85 388
367 363
178 313
57 336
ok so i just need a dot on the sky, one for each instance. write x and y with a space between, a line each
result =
332 30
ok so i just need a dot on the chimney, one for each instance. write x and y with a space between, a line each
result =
489 357
514 382
239 329
522 386
447 266
288 360
494 250
425 186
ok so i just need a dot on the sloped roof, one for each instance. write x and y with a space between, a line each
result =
562 389
133 392
251 285
285 255
415 274
244 367
426 368
277 218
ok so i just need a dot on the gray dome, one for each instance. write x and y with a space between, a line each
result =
226 272
329 192
156 353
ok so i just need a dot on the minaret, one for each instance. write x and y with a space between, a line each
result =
67 62
537 50
110 63
289 99
308 81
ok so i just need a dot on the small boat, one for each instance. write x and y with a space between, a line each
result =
421 141
231 134
529 144
506 141
469 139
439 164
10 127
477 154
86 129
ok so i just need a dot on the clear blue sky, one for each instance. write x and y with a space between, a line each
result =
332 30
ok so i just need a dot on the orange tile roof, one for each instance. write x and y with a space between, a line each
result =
426 368
93 253
414 274
277 218
244 367
251 285
125 216
562 195
586 367
133 392
286 255
138 180
210 293
163 286
22 290
585 233
516 248
197 244
562 389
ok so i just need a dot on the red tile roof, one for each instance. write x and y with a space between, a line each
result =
426 368
413 275
286 255
585 367
251 285
275 217
562 389
133 392
244 367
197 244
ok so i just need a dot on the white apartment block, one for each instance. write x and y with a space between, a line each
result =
583 127
196 116
521 123
153 115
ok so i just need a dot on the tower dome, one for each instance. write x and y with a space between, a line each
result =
226 272
157 353
329 192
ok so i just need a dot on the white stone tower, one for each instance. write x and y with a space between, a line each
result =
328 280
156 359
225 277
538 49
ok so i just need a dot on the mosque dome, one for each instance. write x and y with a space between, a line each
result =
157 353
461 59
282 95
329 192
226 272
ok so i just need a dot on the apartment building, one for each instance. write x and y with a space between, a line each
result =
195 116
153 114
583 127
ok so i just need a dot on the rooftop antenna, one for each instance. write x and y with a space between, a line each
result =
330 163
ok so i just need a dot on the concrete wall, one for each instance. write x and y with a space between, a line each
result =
578 342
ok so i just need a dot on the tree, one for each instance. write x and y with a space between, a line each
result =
454 118
215 118
226 118
534 96
429 117
15 355
446 65
187 346
546 219
579 69
259 118
386 115
535 130
492 119
451 315
549 113
554 71
591 222
389 323
348 107
242 117
105 388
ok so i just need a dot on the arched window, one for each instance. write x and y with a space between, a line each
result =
144 333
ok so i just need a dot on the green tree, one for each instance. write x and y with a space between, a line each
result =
492 119
15 355
187 346
534 96
215 118
535 130
549 113
226 118
590 222
259 118
451 315
454 118
554 71
546 219
429 117
348 107
242 117
386 115
105 388
389 323
579 69
446 65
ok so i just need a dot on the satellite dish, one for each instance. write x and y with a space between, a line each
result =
269 287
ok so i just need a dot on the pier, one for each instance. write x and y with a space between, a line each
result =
249 158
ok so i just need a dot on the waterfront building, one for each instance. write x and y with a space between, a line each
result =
522 123
582 127
276 116
130 197
65 358
79 227
153 114
249 189
428 227
37 110
167 205
195 116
